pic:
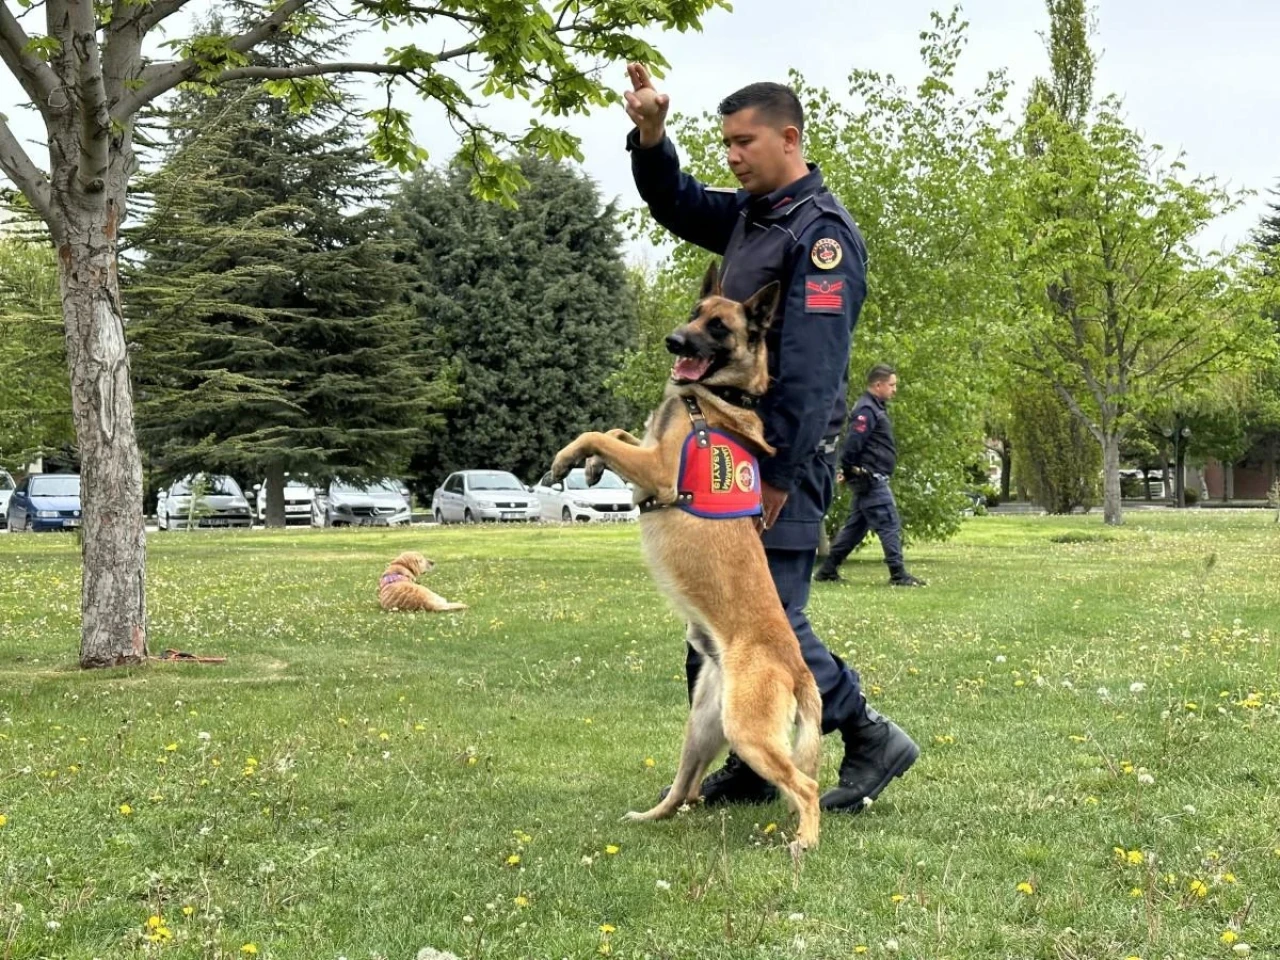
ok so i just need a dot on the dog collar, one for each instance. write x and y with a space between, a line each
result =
731 395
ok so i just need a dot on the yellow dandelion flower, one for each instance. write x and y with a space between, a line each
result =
419 727
513 860
1134 857
172 748
897 898
188 910
1192 706
1135 892
1228 878
343 721
1026 888
384 735
859 949
472 761
125 809
608 928
154 922
770 827
215 762
649 761
3 820
1199 889
251 949
1091 800
1229 936
611 849
521 901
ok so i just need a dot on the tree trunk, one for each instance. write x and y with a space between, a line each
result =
113 602
1228 482
1146 484
275 495
1112 512
1006 470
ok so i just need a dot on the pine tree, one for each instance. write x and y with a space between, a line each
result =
534 305
268 307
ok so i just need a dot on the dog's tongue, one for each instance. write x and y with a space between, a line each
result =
690 368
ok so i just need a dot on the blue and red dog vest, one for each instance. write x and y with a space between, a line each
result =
719 477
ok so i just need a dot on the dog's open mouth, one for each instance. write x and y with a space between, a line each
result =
690 369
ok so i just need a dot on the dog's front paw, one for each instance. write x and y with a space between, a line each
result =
595 470
565 461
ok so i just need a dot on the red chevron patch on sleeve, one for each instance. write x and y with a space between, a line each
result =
822 295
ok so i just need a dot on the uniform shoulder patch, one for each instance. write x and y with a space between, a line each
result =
860 423
823 294
826 253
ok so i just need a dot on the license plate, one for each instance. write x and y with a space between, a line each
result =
218 523
71 523
373 521
512 515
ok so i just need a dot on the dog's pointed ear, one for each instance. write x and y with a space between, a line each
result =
760 308
710 282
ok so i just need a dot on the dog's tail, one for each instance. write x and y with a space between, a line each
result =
806 751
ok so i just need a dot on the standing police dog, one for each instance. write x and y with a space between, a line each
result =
398 588
698 487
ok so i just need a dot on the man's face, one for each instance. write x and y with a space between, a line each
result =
758 151
885 389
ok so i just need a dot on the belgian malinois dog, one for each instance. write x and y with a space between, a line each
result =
698 486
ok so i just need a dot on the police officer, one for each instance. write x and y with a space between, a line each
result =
866 464
783 224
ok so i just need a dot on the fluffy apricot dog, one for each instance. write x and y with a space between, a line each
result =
399 590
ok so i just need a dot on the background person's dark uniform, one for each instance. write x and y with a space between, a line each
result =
802 237
867 460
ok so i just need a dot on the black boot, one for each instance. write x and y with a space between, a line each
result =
735 782
900 578
875 751
828 573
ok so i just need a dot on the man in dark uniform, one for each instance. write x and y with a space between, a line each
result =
782 225
866 464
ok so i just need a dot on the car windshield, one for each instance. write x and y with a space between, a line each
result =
297 485
67 486
493 480
213 487
6 481
372 486
577 480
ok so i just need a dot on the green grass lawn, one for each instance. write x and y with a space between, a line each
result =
1099 719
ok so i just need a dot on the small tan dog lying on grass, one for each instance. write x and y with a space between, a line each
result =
399 590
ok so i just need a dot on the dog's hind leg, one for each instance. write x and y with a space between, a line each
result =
703 738
758 716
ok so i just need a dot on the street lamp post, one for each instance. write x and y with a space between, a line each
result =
1178 433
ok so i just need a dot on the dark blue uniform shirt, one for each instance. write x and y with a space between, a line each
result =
870 443
802 237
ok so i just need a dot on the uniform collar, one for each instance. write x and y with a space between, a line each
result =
874 400
782 201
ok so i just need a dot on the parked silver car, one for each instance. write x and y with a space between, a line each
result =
299 500
610 499
6 491
470 496
373 503
220 503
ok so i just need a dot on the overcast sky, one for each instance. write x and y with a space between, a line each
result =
1195 75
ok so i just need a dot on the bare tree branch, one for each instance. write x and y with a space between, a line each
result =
95 121
26 176
308 70
159 11
160 78
423 12
37 79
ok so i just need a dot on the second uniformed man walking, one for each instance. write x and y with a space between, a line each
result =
867 461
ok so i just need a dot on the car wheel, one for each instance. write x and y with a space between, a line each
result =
468 516
439 517
566 515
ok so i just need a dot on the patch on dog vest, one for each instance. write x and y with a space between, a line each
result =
722 478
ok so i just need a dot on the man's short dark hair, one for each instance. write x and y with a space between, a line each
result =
775 103
879 374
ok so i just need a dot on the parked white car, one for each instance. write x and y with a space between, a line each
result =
610 499
470 496
374 503
6 491
222 504
299 499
